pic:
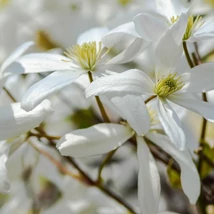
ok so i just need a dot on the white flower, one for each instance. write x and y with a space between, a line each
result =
4 181
102 138
173 16
88 55
166 83
14 121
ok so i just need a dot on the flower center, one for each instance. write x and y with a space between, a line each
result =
86 55
3 3
210 2
192 24
168 85
124 2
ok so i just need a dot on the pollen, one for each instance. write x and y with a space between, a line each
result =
86 55
192 24
168 85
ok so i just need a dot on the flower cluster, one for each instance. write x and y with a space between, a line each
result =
144 72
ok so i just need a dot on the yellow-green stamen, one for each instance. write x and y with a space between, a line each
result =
191 25
168 85
124 3
86 55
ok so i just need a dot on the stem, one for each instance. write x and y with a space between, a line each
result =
187 55
100 186
202 137
88 180
99 103
45 136
55 162
105 161
9 95
150 98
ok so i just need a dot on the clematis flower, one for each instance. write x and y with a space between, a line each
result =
173 16
102 138
15 121
166 83
89 55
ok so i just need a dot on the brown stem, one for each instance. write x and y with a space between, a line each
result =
187 55
150 98
105 161
87 179
9 95
99 103
55 162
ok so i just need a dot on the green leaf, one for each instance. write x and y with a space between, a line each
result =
209 153
174 176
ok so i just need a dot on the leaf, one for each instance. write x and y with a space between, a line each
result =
208 152
174 176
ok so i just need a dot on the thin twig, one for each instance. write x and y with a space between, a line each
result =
187 55
105 161
99 103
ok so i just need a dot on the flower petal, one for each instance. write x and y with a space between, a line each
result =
15 121
94 34
131 81
192 103
150 27
206 31
129 53
16 54
47 86
133 109
95 140
148 179
201 78
39 62
117 34
171 124
179 27
190 179
167 51
4 181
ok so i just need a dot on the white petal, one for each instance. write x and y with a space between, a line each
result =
133 109
16 54
192 103
94 34
148 179
150 27
201 78
206 31
168 212
190 179
117 34
129 53
167 51
15 121
171 124
4 181
179 27
47 86
39 62
169 8
95 140
132 81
